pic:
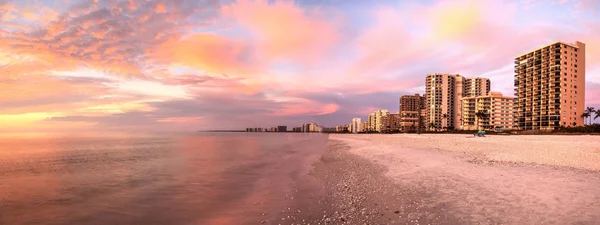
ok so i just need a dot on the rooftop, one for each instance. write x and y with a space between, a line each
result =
561 42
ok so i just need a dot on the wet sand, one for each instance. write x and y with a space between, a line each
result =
450 179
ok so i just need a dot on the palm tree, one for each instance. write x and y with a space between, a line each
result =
589 110
585 115
480 115
445 116
432 125
597 114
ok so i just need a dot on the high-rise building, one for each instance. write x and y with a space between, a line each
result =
476 86
487 112
410 110
442 95
390 123
550 86
375 122
355 125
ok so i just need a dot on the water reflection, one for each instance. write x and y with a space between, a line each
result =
191 179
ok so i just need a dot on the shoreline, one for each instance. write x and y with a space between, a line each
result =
431 179
355 190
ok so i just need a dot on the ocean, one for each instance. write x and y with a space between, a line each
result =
199 178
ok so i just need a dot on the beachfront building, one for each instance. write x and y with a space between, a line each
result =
355 125
442 95
390 123
341 128
476 86
310 127
495 112
550 86
297 129
410 110
375 120
364 127
313 127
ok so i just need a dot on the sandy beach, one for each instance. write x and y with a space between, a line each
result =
450 179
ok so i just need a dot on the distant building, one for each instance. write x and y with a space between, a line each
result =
364 126
411 107
498 112
310 127
355 125
297 129
281 128
390 123
550 86
375 120
304 128
341 128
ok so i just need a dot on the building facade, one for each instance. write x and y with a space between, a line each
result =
375 120
442 95
390 123
355 125
410 110
496 112
550 87
476 86
364 126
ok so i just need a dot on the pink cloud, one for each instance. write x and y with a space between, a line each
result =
284 30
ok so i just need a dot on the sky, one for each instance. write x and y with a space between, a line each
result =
185 65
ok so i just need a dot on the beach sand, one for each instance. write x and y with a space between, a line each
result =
450 179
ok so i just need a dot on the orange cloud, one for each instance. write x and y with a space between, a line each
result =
180 120
210 53
160 8
305 107
285 30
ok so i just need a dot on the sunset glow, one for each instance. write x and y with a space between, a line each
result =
94 65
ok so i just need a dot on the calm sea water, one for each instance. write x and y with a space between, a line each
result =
204 178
